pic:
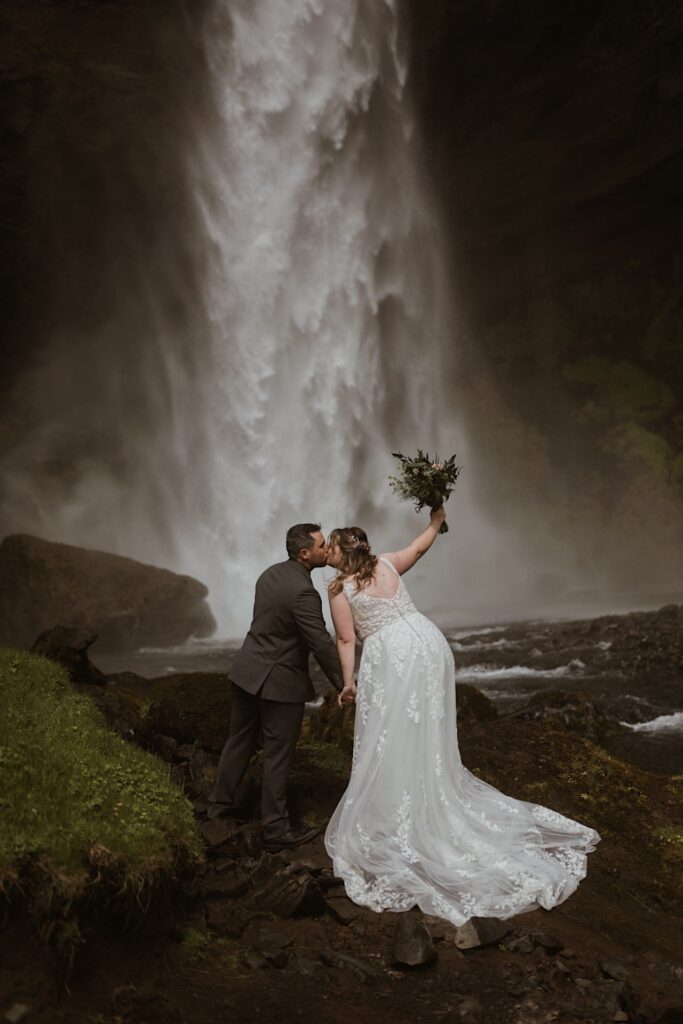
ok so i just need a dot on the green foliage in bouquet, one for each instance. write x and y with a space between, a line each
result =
425 481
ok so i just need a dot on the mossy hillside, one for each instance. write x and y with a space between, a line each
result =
80 809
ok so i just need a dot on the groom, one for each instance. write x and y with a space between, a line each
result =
270 684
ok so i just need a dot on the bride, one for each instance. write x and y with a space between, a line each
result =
415 827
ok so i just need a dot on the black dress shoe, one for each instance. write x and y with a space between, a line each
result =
290 839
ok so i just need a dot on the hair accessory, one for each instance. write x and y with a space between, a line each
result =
356 542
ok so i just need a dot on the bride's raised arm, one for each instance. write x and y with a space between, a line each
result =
407 557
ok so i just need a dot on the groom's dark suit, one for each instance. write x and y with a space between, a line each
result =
270 685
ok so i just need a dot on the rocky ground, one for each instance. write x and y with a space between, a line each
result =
255 935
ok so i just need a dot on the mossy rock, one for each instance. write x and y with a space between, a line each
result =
85 818
193 708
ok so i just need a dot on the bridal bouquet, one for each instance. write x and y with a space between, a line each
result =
426 482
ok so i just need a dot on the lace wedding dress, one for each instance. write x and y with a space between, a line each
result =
415 827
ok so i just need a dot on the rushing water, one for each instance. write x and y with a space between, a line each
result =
289 332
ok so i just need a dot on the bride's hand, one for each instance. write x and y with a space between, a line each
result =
347 695
438 516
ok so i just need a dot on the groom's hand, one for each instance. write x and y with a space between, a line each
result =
347 695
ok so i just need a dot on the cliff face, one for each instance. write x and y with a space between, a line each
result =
554 136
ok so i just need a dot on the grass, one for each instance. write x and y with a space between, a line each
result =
81 810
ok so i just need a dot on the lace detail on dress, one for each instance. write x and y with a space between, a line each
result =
371 613
415 827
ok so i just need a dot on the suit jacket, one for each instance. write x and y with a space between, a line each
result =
287 624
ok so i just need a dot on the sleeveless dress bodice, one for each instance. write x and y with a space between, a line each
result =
372 613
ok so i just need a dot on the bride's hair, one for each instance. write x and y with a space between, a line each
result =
357 559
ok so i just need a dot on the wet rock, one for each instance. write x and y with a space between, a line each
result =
228 883
618 969
342 908
290 894
327 880
68 645
522 940
412 945
480 931
469 1010
576 712
359 968
307 966
219 835
126 603
473 705
225 917
193 709
267 865
255 961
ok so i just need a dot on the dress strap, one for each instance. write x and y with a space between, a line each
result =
391 566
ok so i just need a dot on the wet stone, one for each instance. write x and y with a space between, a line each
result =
287 895
225 884
412 946
480 931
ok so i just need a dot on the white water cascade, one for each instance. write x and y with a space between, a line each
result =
261 369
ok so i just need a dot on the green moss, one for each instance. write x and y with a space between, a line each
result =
75 799
326 756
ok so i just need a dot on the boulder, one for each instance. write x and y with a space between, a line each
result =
69 645
127 604
194 708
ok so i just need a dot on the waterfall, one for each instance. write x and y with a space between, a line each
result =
261 353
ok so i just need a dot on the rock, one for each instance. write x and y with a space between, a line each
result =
16 1013
342 908
412 945
127 604
287 895
122 712
219 835
522 940
69 645
577 712
473 705
616 969
223 884
255 961
480 931
306 965
194 708
225 917
362 970
469 1010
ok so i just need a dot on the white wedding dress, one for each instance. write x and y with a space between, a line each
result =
415 827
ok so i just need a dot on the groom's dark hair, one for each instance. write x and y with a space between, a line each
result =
300 536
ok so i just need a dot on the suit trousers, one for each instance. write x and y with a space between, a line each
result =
280 723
